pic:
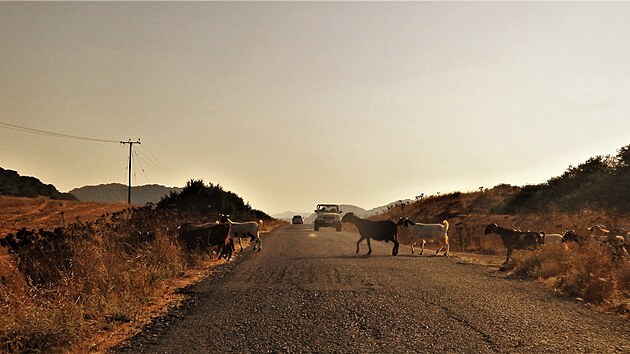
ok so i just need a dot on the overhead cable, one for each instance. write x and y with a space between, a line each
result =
53 134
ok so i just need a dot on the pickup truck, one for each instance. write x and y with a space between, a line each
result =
328 215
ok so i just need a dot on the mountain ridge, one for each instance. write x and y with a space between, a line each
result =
13 184
117 192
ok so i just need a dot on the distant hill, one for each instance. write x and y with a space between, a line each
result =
12 184
117 192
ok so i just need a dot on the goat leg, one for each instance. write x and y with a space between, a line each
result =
360 239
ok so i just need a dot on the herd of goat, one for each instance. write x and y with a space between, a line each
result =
223 233
617 239
220 234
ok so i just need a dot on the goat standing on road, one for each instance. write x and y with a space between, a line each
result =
385 230
422 232
243 229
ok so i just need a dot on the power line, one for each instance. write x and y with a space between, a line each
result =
159 165
150 157
53 134
141 166
158 168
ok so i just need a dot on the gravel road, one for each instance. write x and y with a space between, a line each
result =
307 291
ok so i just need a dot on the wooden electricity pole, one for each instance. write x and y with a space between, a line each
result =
130 146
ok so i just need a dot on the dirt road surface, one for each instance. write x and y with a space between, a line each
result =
308 291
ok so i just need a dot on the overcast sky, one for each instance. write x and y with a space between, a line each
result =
291 104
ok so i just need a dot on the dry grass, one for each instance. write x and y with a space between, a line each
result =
36 213
99 283
586 272
103 293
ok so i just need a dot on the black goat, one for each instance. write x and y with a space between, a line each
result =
572 236
515 239
378 230
205 236
219 236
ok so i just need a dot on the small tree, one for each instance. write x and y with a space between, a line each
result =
212 199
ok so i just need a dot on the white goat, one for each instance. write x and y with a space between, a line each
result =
424 232
243 229
551 238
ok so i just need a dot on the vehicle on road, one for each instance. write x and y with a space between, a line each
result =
297 219
328 215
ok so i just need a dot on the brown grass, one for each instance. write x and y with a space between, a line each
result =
115 281
586 272
36 213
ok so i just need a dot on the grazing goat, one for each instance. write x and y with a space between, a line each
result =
601 230
243 229
219 236
620 248
550 238
205 236
191 236
598 231
616 244
572 236
385 230
423 232
514 239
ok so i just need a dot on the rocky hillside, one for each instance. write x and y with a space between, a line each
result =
12 184
117 192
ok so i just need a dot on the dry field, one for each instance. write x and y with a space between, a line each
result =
45 213
36 213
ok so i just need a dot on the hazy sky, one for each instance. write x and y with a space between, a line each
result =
290 104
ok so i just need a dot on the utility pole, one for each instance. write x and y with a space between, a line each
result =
130 146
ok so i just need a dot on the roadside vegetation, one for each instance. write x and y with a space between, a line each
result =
60 287
589 273
596 192
77 276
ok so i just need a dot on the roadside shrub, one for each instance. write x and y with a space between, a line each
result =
588 272
40 255
64 286
545 262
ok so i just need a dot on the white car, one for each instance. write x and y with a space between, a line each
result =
297 219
